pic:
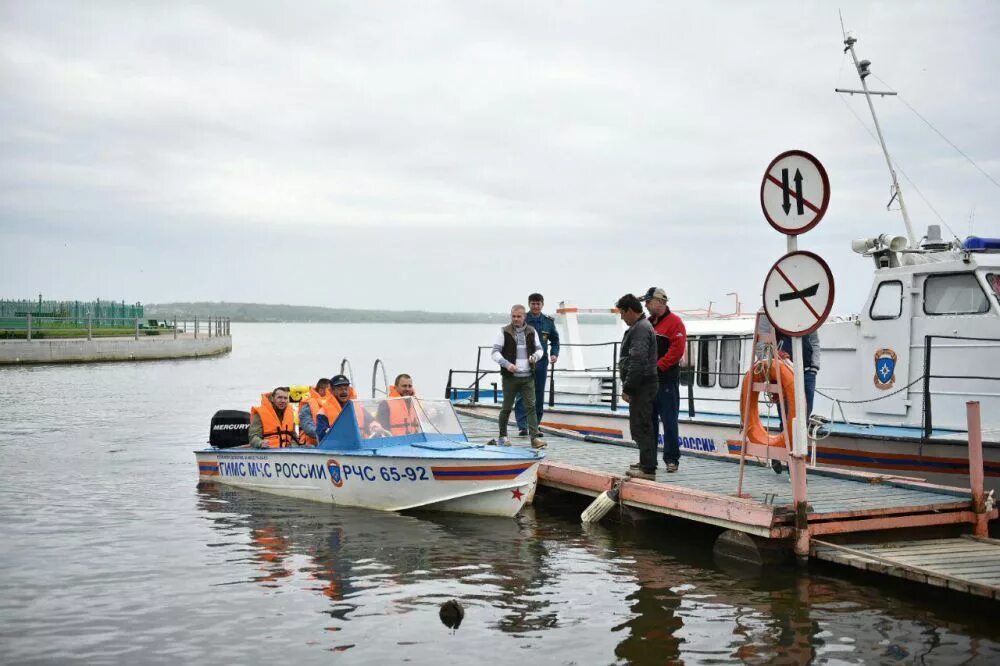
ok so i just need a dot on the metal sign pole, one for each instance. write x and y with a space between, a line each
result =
800 445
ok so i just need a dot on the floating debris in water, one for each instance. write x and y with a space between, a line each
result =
451 614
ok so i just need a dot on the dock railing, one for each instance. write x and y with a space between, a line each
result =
32 327
928 418
706 374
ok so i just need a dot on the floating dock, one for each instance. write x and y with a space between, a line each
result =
840 503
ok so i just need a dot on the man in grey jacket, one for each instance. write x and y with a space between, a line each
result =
637 365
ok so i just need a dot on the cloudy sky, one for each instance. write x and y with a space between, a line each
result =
458 155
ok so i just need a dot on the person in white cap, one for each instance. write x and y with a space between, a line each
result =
671 340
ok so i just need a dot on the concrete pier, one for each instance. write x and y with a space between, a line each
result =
82 350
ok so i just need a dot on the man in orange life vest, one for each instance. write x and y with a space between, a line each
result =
340 386
309 410
398 414
272 424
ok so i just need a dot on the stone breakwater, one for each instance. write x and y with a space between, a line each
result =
81 350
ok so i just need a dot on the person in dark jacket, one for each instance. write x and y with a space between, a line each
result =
637 365
810 362
548 335
671 340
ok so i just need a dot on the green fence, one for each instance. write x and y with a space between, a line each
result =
69 314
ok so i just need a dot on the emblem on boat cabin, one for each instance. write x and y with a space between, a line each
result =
336 476
885 368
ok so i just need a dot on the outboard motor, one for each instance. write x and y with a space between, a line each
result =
230 427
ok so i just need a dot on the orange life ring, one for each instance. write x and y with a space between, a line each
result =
750 413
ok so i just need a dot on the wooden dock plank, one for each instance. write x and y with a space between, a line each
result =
940 571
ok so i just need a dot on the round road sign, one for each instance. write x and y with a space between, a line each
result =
795 192
798 293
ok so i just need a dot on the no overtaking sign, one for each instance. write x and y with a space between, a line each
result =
798 293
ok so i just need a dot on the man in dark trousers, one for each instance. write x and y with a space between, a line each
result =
637 365
671 340
548 335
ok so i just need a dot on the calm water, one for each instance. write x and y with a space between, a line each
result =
110 554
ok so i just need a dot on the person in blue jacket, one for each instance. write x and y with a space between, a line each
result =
548 336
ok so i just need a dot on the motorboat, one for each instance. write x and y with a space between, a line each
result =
431 466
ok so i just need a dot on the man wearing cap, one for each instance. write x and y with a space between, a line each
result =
671 341
548 335
340 386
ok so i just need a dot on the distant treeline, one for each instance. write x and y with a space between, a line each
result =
263 312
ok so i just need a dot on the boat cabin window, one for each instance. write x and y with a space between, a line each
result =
956 293
706 361
888 302
402 416
687 361
729 361
993 279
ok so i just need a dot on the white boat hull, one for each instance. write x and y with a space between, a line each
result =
485 487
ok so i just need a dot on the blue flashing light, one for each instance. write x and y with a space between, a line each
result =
977 243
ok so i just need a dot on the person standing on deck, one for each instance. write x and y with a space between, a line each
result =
810 362
516 350
637 365
548 335
671 340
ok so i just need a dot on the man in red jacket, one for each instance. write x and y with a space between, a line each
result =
671 341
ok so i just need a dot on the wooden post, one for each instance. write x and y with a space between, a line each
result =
976 467
29 327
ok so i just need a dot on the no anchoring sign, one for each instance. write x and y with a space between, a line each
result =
798 293
795 192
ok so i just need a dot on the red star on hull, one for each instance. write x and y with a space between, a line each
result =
517 494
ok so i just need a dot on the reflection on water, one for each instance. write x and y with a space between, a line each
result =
111 555
572 592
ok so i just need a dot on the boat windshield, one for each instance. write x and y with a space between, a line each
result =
389 417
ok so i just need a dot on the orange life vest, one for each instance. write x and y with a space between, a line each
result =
315 402
394 392
402 417
277 433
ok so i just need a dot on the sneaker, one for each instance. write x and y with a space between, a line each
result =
672 467
503 441
537 443
523 432
639 474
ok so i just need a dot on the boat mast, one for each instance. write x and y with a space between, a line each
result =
863 72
